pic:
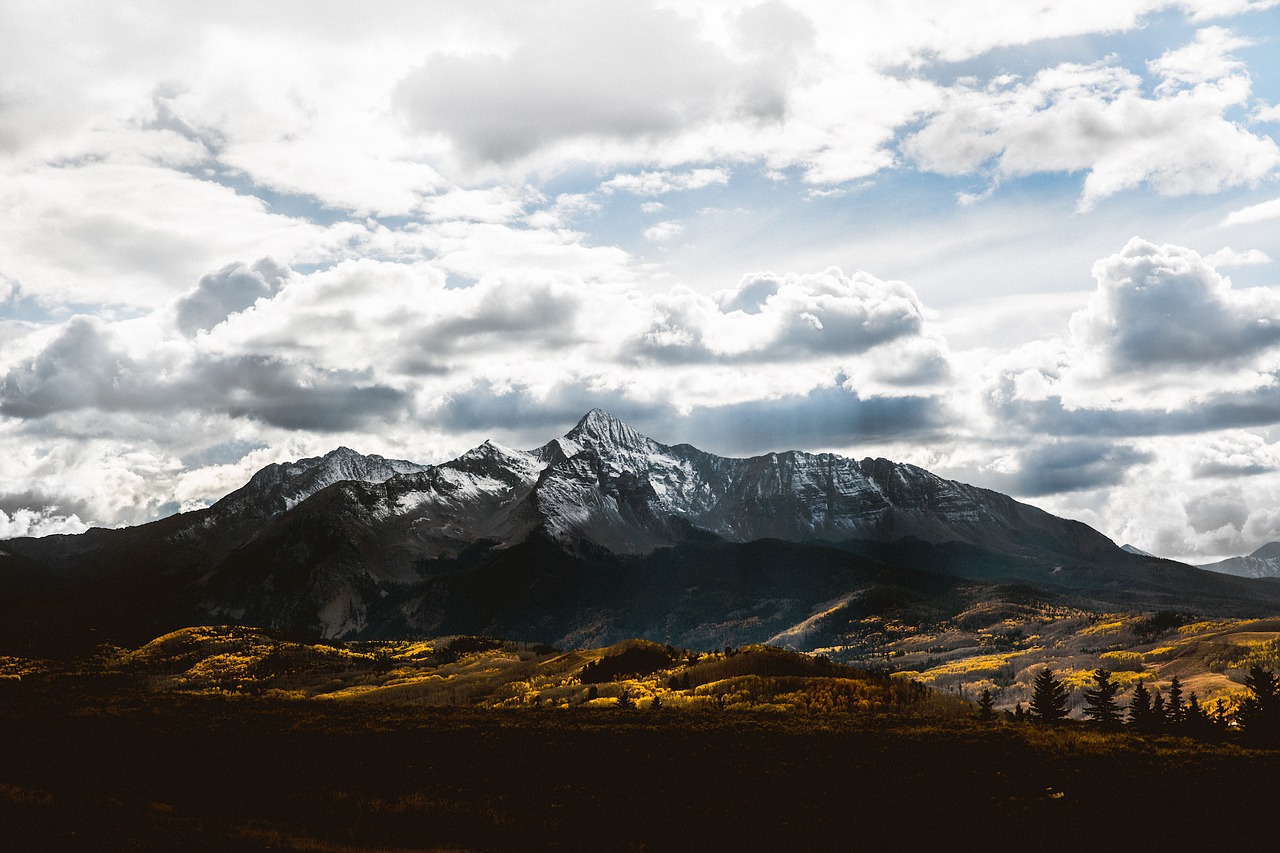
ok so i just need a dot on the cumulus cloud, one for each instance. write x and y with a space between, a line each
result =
627 71
1164 347
230 290
769 317
43 521
1165 306
1096 118
84 367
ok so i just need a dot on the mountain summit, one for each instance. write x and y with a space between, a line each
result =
598 534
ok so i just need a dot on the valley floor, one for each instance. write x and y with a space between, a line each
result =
92 770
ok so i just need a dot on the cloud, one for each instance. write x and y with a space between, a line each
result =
84 367
1165 306
44 521
1074 465
1165 346
663 231
1096 119
1229 257
659 183
230 290
1205 10
108 233
771 317
624 72
1261 212
832 416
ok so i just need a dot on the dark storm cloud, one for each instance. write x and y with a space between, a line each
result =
231 289
82 369
619 70
1073 466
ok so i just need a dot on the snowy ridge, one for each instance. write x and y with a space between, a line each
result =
1262 563
605 484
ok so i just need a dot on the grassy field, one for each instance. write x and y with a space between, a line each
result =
232 739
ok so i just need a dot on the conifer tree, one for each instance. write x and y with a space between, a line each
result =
1140 707
1100 702
1158 713
1048 698
1196 721
986 702
1259 714
1174 711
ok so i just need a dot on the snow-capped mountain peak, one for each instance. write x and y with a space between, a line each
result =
1262 563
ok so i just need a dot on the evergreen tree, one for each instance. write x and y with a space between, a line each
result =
1158 714
1196 721
1048 698
1100 702
1259 714
1175 712
986 702
1140 708
1019 713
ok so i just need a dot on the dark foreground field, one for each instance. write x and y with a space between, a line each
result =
184 773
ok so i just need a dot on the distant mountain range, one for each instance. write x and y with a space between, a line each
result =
599 534
1262 563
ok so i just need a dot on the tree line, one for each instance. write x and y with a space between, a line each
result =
1257 717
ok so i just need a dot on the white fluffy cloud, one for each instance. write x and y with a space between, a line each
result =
1165 307
1096 119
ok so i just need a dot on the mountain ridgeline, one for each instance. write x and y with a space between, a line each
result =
597 535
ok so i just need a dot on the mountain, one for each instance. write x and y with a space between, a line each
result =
1134 549
599 534
1262 563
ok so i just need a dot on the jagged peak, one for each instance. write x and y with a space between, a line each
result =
599 427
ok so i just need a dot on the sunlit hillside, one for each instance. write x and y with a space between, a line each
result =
1209 657
490 673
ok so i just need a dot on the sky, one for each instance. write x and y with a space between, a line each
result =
1032 247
